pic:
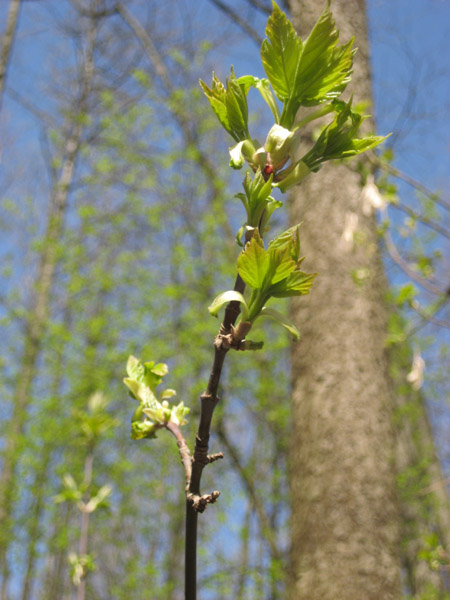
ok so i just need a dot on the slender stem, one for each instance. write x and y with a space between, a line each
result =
190 566
209 400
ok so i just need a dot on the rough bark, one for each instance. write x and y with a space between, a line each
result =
344 511
7 42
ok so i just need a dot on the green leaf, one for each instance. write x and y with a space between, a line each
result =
283 320
263 86
324 69
289 238
297 284
236 105
281 263
161 369
229 104
337 140
216 96
133 386
254 262
225 298
135 368
280 54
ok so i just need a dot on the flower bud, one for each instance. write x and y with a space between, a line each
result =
278 145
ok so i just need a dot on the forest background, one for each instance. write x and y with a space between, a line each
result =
114 241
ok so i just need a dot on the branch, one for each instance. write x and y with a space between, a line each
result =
406 267
183 449
430 318
425 220
266 9
181 116
378 163
242 23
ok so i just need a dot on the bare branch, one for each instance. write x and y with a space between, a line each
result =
376 162
242 23
407 268
265 8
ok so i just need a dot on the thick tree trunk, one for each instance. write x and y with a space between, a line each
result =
344 513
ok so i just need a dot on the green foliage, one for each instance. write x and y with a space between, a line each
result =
274 272
301 75
230 105
142 381
309 73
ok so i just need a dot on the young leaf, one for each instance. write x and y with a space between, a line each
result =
253 264
216 96
281 263
289 238
236 105
283 320
280 54
297 284
324 70
224 298
263 86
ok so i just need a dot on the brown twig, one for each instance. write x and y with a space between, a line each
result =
183 449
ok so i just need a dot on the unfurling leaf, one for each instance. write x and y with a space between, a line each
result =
225 298
230 105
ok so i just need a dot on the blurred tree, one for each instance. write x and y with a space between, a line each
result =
7 42
37 316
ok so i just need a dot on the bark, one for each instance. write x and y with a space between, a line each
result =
344 526
36 325
7 42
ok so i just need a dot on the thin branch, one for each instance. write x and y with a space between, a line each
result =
242 23
378 163
181 116
425 220
183 448
266 9
406 267
427 318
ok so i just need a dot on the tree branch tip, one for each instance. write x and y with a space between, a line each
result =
199 503
213 457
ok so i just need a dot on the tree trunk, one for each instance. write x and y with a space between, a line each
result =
345 524
7 42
